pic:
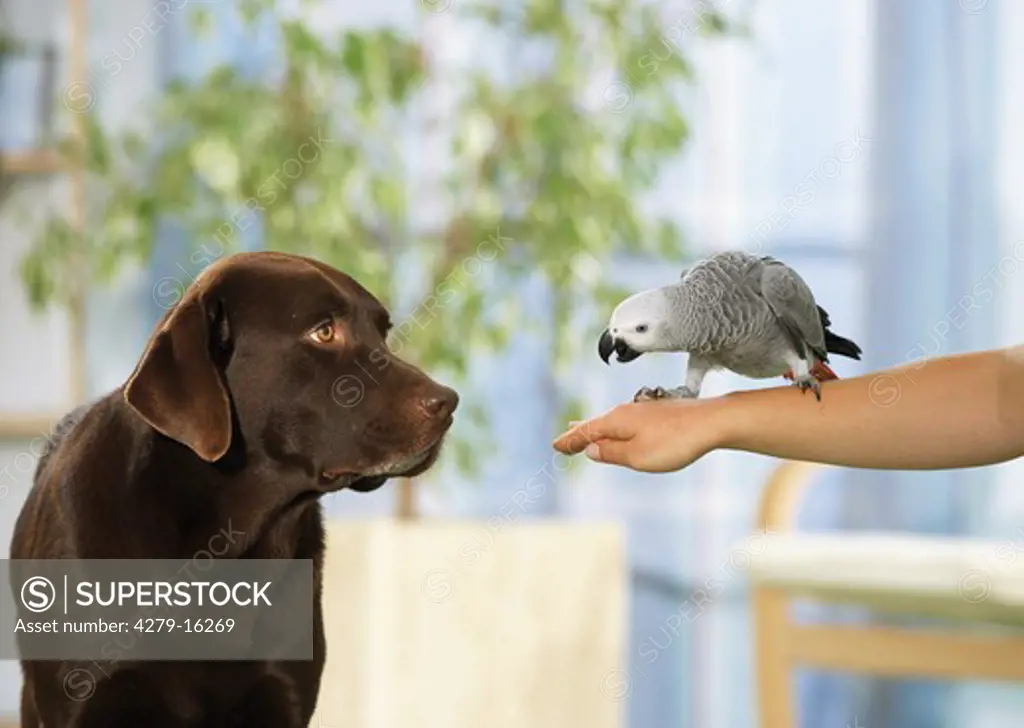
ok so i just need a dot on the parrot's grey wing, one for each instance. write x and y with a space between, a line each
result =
792 302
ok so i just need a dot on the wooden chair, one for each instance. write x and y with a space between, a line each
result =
977 583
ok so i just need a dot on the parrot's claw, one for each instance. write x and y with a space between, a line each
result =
648 394
809 383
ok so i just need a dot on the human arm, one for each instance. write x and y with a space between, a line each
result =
948 412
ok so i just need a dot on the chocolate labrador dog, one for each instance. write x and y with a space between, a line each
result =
267 386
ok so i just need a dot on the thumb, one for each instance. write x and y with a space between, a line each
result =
614 452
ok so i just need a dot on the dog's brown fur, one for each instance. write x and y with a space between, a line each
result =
241 413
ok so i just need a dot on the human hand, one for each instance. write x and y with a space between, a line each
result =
655 437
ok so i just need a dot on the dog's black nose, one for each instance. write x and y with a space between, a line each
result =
441 403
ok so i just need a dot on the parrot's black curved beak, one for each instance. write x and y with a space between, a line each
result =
606 346
623 351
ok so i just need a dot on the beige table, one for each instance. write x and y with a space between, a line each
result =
977 585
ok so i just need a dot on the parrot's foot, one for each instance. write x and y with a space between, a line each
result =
809 382
647 394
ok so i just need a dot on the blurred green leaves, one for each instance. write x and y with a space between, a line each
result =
538 158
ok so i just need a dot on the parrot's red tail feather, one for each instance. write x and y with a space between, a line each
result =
822 372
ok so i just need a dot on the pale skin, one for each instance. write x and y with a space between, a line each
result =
949 412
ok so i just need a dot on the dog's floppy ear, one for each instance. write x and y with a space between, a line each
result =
177 387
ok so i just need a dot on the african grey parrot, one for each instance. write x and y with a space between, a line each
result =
751 314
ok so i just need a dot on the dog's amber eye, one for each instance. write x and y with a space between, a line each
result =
325 333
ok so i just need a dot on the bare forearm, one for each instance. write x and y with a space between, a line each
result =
960 411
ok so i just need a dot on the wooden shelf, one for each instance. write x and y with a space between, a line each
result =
40 161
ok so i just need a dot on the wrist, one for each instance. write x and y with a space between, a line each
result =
730 421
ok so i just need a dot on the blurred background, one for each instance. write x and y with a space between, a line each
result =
502 173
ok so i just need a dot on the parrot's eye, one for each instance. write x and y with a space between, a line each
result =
641 329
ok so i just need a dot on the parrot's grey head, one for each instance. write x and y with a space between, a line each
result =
637 326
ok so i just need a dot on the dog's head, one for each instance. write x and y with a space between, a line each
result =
286 357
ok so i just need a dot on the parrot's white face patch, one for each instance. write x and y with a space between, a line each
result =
639 321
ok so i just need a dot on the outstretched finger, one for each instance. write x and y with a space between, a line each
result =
576 438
